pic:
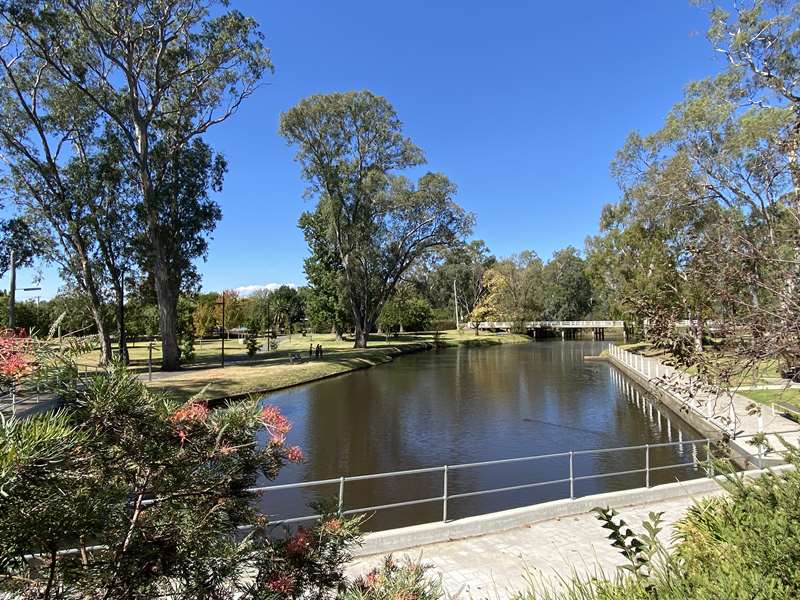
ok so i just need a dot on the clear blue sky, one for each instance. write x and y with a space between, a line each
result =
521 104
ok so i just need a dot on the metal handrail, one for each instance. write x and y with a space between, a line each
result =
445 497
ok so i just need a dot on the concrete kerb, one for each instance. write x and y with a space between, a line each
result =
405 538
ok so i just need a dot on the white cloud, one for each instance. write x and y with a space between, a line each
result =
246 290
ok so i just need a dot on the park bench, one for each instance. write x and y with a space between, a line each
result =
295 357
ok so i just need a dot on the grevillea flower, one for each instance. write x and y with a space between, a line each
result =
226 450
13 359
274 421
295 454
370 578
332 525
281 583
299 544
193 412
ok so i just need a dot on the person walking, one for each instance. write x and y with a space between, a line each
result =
310 350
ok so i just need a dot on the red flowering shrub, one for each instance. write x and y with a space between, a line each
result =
407 580
160 491
15 359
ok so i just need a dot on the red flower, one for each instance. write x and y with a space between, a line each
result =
281 583
13 362
299 544
274 421
370 578
193 412
295 454
332 525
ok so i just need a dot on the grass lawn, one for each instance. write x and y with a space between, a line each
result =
206 352
273 370
789 396
766 371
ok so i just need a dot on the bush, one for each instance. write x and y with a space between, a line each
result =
152 493
251 342
745 545
394 580
187 349
442 325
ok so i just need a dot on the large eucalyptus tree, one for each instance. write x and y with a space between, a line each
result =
160 74
351 146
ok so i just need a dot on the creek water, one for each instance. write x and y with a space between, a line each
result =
465 405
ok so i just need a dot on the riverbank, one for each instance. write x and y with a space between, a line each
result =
714 414
276 371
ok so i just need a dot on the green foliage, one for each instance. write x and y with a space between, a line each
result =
742 546
327 303
406 313
393 581
251 341
152 494
638 549
566 293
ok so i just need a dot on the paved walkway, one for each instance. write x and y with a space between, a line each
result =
497 565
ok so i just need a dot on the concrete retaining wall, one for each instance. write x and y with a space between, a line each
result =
405 538
701 424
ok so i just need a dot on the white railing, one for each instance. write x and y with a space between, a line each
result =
550 324
699 404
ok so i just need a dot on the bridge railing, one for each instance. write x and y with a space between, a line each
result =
552 324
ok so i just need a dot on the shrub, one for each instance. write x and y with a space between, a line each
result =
744 545
407 580
251 342
187 348
151 494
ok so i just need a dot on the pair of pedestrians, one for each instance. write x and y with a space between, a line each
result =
315 352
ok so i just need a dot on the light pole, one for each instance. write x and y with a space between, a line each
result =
222 303
455 303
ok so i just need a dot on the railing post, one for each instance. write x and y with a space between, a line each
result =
572 475
709 459
341 493
647 465
444 497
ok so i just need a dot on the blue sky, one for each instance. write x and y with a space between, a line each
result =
521 104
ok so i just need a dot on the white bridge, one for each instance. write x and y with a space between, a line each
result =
568 329
548 325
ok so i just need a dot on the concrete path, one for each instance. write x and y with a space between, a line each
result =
498 565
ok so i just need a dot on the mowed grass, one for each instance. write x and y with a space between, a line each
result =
787 396
207 352
721 364
274 370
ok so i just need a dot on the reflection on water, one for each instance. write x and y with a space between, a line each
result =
467 405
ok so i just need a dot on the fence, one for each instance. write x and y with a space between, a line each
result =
703 405
701 460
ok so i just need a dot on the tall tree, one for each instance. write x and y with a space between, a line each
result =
327 303
161 73
350 145
514 285
48 147
18 248
566 290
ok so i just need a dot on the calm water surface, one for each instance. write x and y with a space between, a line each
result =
464 405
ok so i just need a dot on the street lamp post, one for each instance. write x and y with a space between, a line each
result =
222 303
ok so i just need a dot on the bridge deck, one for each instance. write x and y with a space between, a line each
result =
550 325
